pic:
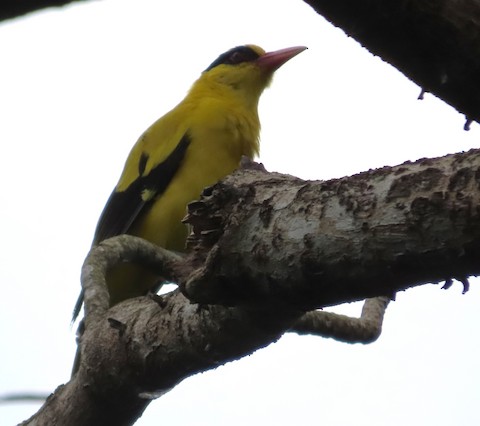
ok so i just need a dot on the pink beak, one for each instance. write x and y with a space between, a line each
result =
271 61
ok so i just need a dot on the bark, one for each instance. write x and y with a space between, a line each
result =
365 329
435 43
266 249
15 8
145 346
279 240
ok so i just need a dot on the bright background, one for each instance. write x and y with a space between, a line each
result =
78 85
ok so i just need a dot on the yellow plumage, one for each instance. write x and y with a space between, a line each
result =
193 146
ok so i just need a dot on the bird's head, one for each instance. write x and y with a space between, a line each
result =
248 69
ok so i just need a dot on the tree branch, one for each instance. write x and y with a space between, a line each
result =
273 247
365 329
108 253
143 347
435 43
275 239
15 8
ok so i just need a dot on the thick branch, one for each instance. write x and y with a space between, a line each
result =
139 349
14 8
276 239
275 247
144 346
435 43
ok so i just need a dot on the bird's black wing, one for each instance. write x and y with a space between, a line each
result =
123 207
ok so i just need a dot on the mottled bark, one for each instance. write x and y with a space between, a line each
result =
145 346
279 240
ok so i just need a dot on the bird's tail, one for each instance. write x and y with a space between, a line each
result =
78 307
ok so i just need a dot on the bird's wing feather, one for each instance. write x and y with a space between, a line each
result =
123 207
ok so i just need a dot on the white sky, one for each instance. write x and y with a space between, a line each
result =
78 86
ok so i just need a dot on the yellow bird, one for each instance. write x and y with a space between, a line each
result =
191 147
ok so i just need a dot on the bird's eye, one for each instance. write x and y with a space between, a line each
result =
237 57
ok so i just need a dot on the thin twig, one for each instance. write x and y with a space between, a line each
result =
111 252
365 329
23 397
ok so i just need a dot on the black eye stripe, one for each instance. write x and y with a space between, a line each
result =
235 56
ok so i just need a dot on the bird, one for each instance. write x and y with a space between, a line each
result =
196 144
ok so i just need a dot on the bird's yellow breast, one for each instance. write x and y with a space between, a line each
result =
220 132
